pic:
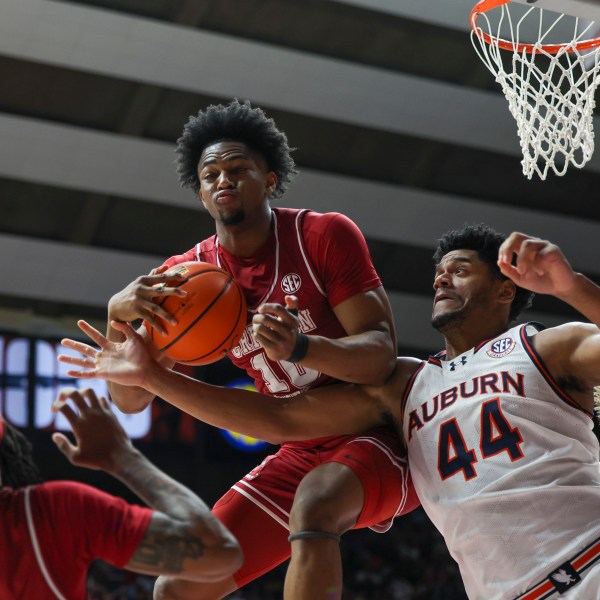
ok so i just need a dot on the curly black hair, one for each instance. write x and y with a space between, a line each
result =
237 121
486 241
17 467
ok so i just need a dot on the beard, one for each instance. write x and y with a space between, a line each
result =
233 218
447 321
453 320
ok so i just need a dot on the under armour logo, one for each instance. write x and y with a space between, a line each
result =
453 365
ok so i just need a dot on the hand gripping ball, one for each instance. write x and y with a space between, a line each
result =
210 319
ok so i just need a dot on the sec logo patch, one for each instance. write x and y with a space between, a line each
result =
501 348
291 283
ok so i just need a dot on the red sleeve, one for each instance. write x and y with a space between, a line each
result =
179 258
205 251
340 255
91 523
118 531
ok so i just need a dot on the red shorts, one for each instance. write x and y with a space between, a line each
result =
256 509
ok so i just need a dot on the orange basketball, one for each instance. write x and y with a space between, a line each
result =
211 318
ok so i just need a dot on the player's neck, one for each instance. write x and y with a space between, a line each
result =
463 338
244 239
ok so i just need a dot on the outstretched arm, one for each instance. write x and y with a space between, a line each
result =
139 300
572 351
183 537
331 410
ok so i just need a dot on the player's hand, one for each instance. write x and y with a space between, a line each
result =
124 363
539 266
275 328
140 299
99 437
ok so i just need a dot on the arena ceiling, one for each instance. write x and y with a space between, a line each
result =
396 123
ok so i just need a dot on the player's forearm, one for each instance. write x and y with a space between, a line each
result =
366 358
243 411
129 400
201 551
331 410
183 538
584 296
268 418
153 486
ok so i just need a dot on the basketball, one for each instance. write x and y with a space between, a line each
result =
211 318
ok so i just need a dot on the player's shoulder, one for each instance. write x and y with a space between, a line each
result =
563 336
309 217
405 369
64 497
201 251
65 488
60 486
557 346
330 222
177 259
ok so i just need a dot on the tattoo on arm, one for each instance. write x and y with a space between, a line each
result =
172 535
163 551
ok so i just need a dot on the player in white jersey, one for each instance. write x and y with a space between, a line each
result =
498 426
514 486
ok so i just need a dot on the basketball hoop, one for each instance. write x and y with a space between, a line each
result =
549 84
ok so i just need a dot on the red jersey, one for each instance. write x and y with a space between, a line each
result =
323 259
50 533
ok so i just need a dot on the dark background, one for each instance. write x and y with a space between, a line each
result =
395 122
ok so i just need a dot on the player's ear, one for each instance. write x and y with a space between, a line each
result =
507 291
271 183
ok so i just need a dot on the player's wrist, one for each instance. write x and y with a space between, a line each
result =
113 309
578 285
123 459
300 348
111 333
153 377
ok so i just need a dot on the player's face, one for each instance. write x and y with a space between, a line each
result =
464 290
234 182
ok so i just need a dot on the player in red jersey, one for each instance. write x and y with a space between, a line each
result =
285 260
51 532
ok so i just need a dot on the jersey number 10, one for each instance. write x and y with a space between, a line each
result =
298 377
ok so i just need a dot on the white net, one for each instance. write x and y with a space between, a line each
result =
549 88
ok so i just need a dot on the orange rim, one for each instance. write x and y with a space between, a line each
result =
484 6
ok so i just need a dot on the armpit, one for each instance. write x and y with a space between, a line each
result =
572 384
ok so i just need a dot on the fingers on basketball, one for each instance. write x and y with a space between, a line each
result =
211 317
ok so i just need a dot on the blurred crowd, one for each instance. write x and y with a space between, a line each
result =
410 562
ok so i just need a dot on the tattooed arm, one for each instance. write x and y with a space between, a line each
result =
183 537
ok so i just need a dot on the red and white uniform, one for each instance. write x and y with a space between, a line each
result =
322 259
50 533
506 466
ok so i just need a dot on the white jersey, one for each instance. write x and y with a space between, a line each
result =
506 466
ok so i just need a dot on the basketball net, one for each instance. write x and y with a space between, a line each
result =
549 86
